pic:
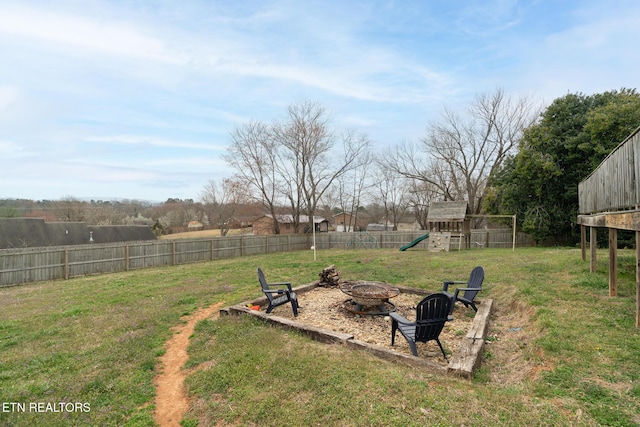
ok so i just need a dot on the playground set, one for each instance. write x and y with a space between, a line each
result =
446 220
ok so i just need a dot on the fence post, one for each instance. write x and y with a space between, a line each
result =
173 253
212 248
126 258
66 264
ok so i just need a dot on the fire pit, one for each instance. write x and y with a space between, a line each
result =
370 298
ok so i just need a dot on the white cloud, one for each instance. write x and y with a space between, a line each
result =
153 141
144 94
85 32
9 95
189 162
11 151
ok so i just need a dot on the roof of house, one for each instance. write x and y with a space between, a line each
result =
120 233
35 232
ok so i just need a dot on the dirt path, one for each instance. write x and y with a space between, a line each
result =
171 401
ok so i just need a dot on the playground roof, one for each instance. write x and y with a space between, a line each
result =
448 211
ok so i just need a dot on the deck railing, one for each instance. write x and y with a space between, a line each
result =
613 185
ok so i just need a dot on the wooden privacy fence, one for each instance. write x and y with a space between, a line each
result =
62 262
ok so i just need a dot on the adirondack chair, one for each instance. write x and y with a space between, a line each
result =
431 315
278 293
473 286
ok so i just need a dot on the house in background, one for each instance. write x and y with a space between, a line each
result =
405 223
408 223
195 225
35 232
264 224
346 222
343 222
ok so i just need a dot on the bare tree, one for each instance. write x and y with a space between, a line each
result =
71 209
295 161
104 213
458 153
375 213
309 162
392 193
305 138
178 213
351 188
254 156
221 202
421 195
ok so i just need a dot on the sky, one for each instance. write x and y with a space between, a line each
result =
137 99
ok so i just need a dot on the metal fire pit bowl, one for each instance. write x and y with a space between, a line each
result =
370 298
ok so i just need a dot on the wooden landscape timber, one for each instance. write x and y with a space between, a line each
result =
467 359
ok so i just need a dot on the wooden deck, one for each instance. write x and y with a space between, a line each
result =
610 198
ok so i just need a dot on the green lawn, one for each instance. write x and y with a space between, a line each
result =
94 342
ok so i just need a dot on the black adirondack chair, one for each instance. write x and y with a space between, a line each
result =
431 315
473 286
278 293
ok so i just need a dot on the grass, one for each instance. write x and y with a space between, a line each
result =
96 340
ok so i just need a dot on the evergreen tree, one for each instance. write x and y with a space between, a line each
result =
574 134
